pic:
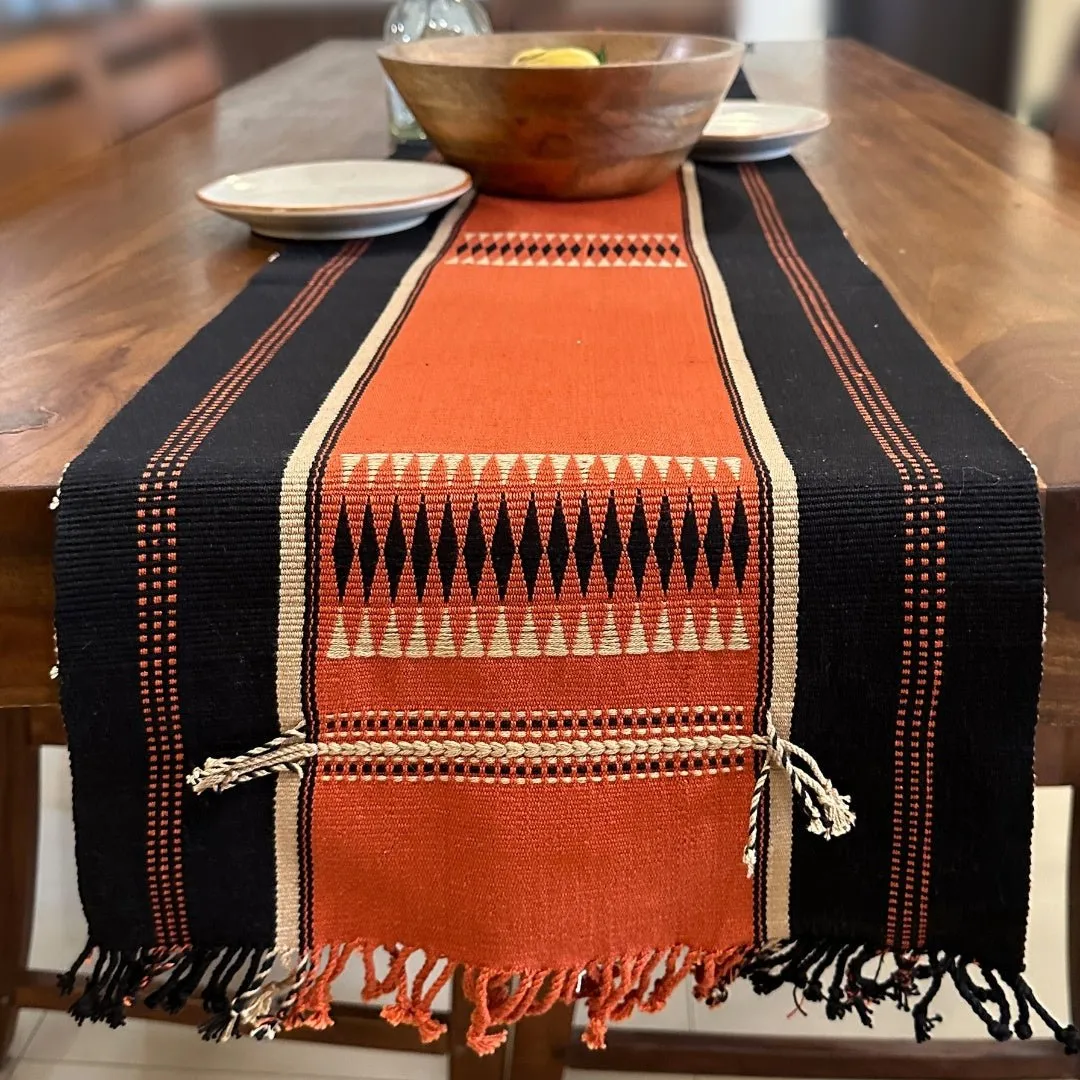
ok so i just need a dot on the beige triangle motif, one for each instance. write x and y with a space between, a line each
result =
427 463
710 464
400 463
452 463
637 463
374 464
688 639
662 463
559 463
505 463
364 645
532 465
499 647
609 636
391 642
611 463
556 641
714 641
444 642
528 643
348 464
471 645
417 647
477 463
735 465
636 645
584 464
583 645
662 642
339 643
737 640
687 465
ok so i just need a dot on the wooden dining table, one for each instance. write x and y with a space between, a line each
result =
109 265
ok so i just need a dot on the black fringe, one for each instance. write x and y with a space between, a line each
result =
911 983
118 978
847 978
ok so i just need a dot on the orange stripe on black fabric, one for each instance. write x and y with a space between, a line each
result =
158 586
924 585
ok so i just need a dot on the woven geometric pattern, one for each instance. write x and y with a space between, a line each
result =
649 250
568 569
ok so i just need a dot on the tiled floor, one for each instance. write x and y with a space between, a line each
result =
50 1046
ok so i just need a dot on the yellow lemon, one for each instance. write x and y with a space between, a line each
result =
568 56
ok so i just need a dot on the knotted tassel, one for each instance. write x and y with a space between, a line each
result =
829 812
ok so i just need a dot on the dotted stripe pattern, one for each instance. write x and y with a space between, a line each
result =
924 572
158 585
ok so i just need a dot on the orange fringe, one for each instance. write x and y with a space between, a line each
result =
612 989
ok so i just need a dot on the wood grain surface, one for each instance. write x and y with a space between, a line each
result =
110 266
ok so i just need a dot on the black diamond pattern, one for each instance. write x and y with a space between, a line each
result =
689 542
584 545
611 545
447 551
502 549
664 543
532 248
475 550
739 540
368 551
558 546
531 548
343 551
638 545
543 538
714 542
395 551
421 549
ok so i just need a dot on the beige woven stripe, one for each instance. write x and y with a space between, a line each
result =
286 824
785 569
294 493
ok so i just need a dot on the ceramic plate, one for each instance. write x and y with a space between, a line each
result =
757 130
336 200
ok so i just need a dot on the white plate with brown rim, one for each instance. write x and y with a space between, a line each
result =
336 200
743 131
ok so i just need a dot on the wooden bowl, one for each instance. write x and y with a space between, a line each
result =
565 133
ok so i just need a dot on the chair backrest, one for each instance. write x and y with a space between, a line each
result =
662 16
151 64
1066 112
46 116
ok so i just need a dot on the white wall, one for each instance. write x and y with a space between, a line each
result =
782 20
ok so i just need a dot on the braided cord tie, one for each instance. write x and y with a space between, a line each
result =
829 812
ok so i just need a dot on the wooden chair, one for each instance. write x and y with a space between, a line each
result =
149 65
46 118
1066 113
69 93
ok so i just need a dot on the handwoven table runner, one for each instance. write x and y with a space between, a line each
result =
537 591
